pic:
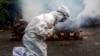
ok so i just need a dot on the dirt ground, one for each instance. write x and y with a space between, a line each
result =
89 46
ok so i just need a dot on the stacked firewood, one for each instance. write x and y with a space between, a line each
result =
17 32
76 35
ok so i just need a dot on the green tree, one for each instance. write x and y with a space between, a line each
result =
4 12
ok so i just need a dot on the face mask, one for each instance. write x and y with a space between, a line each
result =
62 20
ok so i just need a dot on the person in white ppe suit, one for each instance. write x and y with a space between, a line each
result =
38 29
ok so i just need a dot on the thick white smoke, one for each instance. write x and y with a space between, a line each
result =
30 9
68 25
92 8
90 16
79 9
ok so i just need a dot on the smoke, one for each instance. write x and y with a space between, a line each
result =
32 8
82 11
91 14
68 25
92 8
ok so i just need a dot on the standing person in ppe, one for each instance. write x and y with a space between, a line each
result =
38 29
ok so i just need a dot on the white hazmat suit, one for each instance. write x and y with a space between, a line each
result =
38 29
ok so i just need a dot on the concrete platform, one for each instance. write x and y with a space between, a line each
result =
89 46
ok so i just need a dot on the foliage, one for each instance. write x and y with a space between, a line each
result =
4 12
